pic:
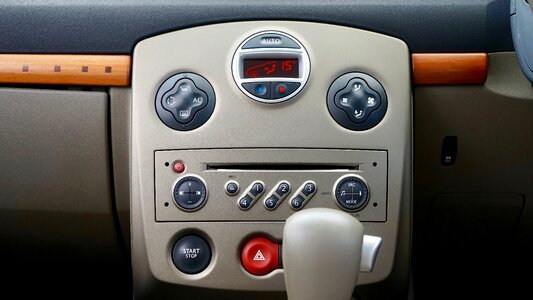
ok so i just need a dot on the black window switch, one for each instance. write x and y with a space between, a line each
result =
449 151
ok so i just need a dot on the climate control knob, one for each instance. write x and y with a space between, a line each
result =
351 192
357 101
185 101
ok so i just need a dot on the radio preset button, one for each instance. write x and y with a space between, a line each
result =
246 202
280 191
257 188
297 202
283 189
271 202
303 194
251 194
309 189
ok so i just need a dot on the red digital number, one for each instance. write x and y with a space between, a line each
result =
287 65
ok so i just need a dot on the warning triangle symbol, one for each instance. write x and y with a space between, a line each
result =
259 255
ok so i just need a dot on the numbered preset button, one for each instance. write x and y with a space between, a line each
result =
251 195
245 202
306 191
297 202
280 191
257 188
271 202
283 188
309 189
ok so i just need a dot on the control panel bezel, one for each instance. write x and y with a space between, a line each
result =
304 65
238 122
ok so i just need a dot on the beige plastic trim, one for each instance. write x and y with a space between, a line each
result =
55 186
120 110
239 122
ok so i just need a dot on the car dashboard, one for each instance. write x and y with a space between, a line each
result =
174 150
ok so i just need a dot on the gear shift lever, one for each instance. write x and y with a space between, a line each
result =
321 254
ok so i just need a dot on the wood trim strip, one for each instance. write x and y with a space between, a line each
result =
114 70
65 69
449 68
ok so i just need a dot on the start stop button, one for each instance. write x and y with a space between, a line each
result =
191 254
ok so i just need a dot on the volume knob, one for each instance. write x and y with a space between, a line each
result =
190 193
351 192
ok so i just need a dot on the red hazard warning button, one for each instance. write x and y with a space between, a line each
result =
260 256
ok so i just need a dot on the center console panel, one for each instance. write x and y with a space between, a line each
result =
237 126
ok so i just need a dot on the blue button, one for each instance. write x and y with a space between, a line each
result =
258 89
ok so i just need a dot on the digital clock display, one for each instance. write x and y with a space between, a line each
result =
264 67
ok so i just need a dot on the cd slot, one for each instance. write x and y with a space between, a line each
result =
282 167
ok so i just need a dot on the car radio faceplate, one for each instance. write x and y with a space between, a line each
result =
267 169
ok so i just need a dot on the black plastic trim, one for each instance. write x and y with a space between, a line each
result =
115 26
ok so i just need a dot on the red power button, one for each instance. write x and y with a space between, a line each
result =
260 256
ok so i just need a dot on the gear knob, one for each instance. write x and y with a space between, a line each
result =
321 254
